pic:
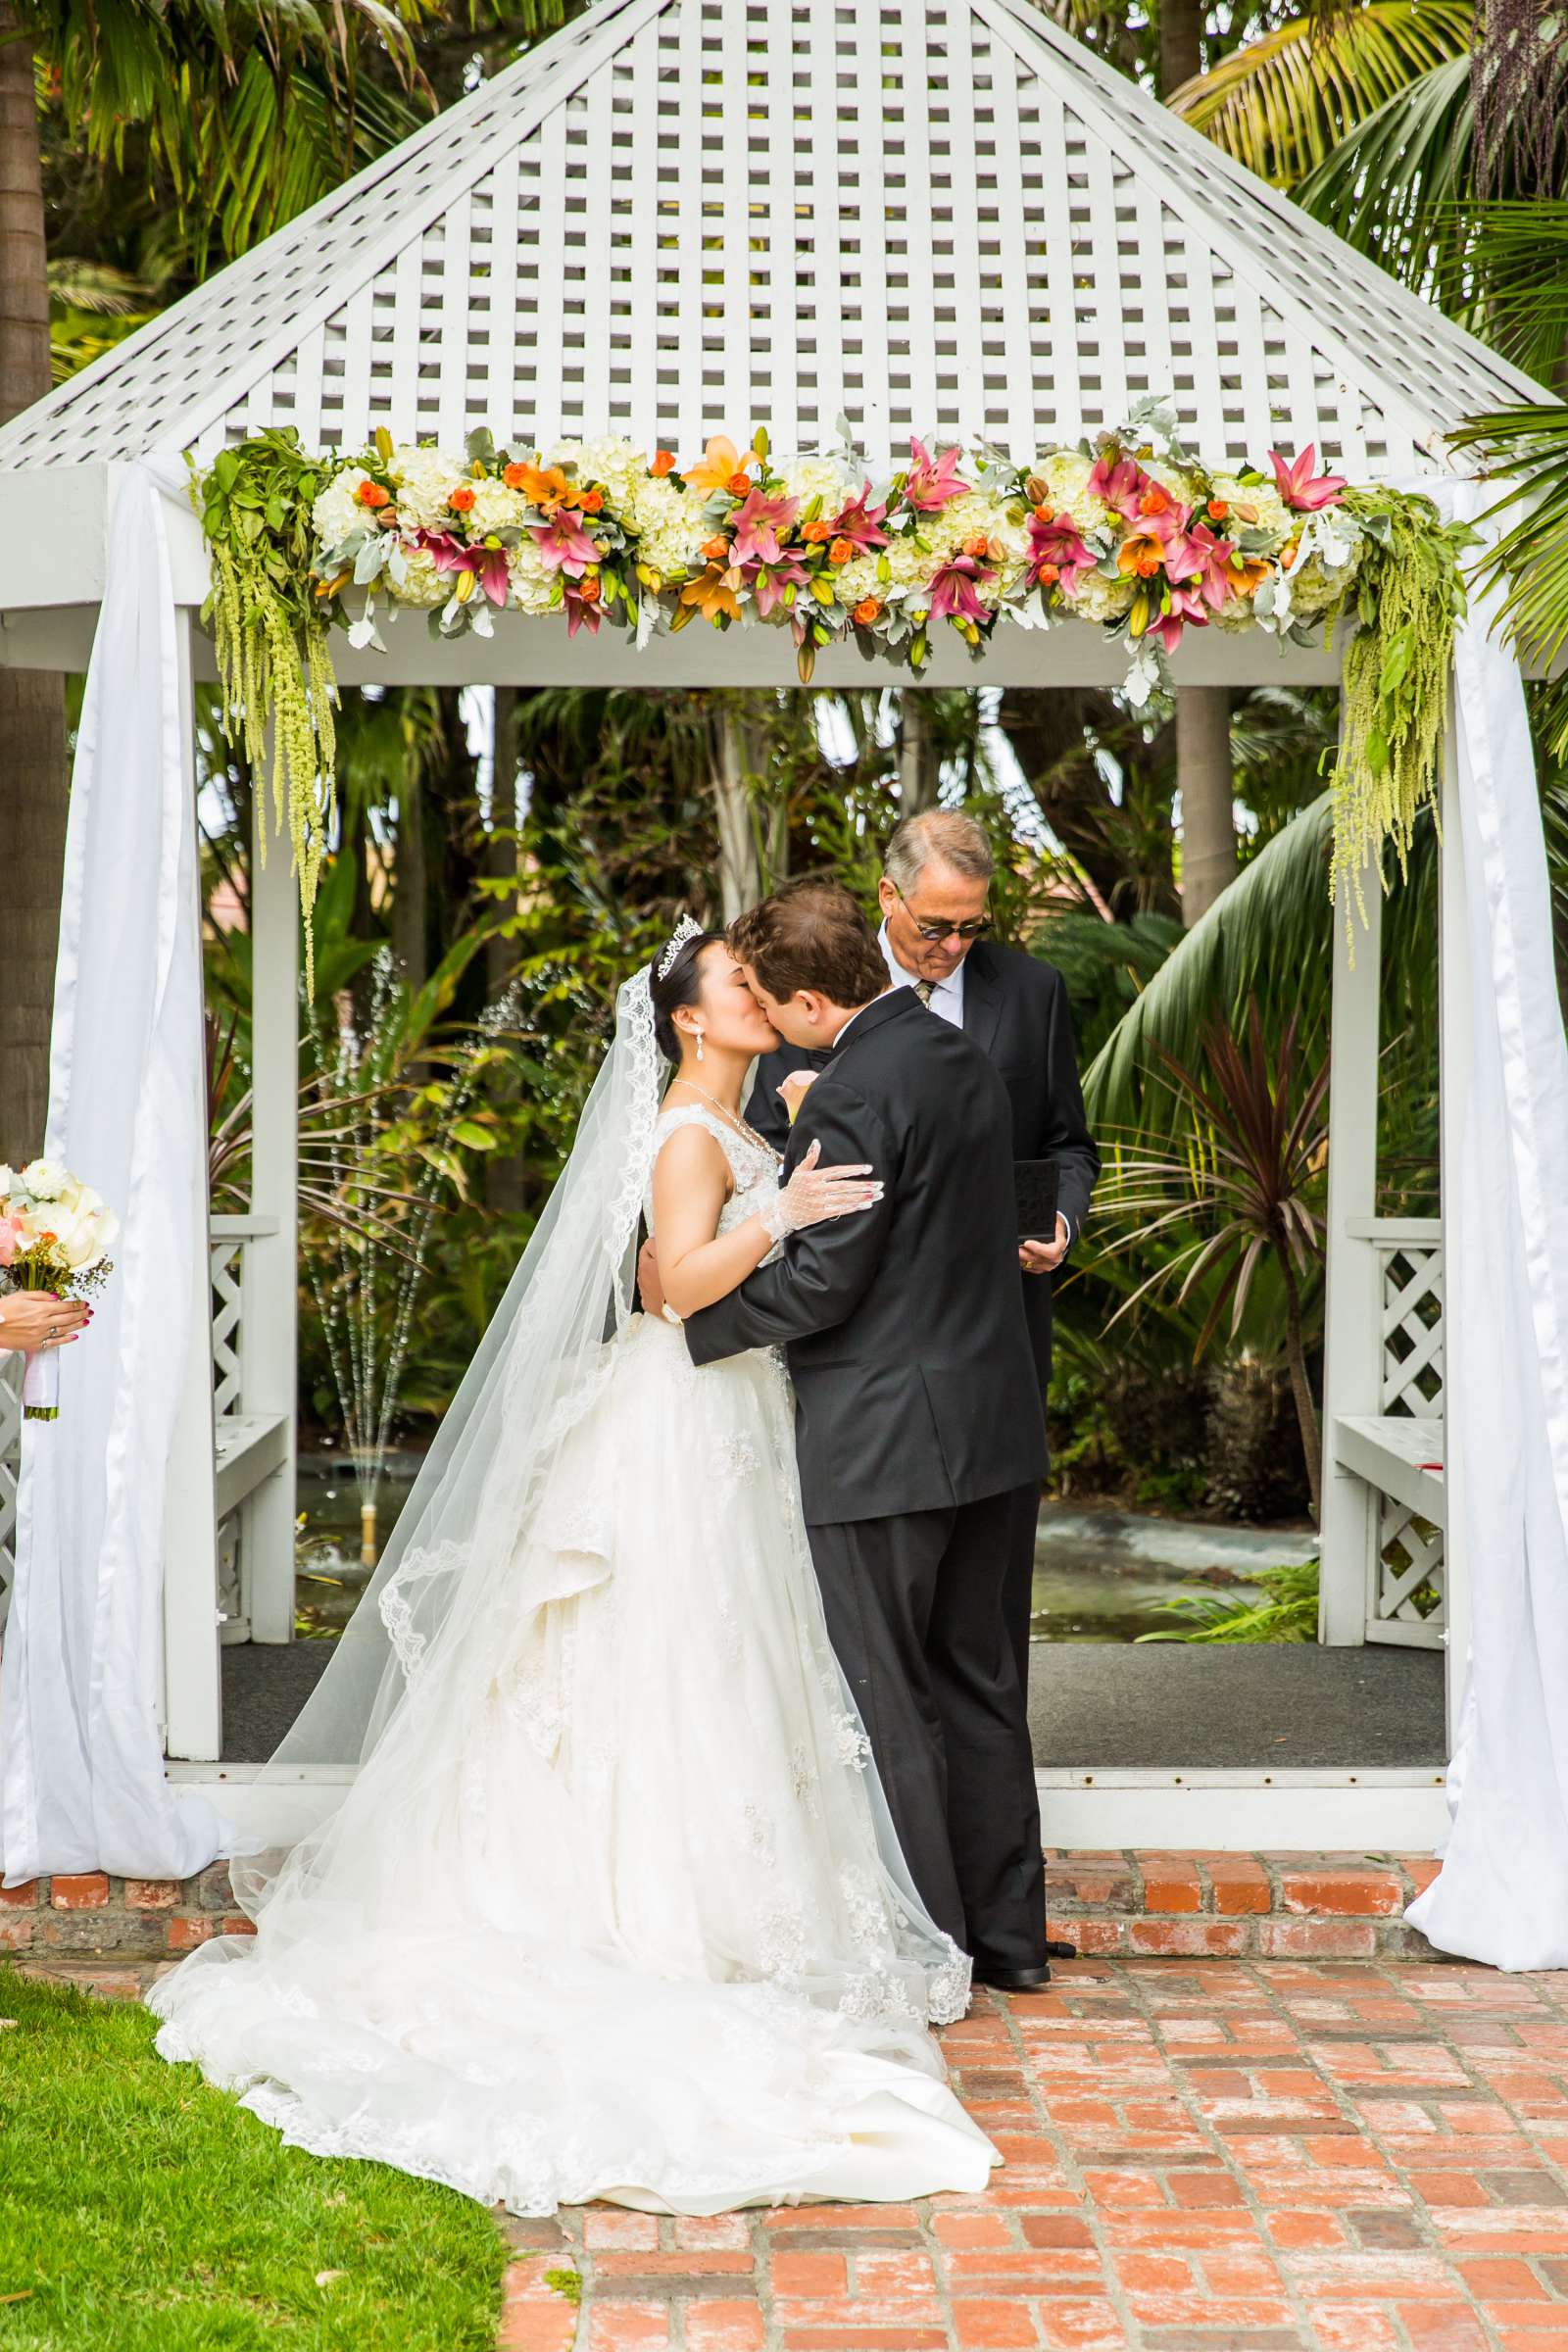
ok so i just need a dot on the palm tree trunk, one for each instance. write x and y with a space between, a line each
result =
735 760
918 769
1181 51
1302 1388
34 795
1207 784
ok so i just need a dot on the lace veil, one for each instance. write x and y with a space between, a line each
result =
537 1371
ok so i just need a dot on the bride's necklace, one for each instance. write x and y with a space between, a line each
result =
731 1118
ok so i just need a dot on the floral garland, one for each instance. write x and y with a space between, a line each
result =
1130 533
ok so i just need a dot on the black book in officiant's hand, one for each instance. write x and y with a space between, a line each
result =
1036 1184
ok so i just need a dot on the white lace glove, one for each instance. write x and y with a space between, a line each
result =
813 1195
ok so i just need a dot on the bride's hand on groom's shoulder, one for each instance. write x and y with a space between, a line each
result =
814 1194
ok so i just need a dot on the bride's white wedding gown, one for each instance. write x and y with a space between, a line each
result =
612 1909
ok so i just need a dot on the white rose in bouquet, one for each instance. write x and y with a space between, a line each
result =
45 1179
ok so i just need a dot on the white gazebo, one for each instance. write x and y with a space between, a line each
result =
681 216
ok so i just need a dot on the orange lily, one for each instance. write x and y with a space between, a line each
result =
714 594
544 486
1141 554
718 468
1247 572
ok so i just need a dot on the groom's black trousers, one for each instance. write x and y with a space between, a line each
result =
915 1610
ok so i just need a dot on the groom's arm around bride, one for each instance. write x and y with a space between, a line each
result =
918 1414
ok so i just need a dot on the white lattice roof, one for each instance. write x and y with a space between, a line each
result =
684 215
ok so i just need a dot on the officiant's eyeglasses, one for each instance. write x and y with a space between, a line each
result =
936 933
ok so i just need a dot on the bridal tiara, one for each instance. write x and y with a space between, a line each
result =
684 932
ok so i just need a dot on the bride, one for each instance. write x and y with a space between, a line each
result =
612 1906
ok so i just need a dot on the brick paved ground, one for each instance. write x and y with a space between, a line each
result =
1209 2156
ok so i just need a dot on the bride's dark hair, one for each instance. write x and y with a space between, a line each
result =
679 986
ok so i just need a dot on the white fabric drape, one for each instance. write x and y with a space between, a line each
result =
81 1773
1502 1893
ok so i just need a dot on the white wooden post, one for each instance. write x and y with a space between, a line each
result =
1454 1050
193 1702
1352 1307
268 1322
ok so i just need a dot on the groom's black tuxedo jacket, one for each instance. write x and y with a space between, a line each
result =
1016 1011
904 1323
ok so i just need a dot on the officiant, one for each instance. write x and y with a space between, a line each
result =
934 896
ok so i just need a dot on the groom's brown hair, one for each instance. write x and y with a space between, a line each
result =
811 934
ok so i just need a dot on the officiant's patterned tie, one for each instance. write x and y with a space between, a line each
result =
922 989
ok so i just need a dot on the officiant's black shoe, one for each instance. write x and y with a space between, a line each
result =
1058 1948
1011 1980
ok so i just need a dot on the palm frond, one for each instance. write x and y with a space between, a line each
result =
1282 105
1268 934
1529 445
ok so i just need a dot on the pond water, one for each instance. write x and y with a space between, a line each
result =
1099 1576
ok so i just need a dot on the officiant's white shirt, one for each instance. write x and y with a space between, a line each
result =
946 995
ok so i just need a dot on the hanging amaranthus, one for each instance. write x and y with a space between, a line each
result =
1405 600
271 640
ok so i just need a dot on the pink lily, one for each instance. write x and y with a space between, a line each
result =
953 590
581 612
487 563
565 545
1186 608
860 524
1054 541
931 482
1117 479
768 584
757 527
11 1237
1197 560
1299 487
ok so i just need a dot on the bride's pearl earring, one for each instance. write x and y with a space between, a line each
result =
698 1045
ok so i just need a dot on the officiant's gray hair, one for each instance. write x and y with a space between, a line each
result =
953 838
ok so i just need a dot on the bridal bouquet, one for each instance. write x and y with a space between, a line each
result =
54 1233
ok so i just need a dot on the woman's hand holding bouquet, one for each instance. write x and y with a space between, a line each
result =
54 1233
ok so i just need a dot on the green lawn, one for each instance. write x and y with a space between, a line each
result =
142 2212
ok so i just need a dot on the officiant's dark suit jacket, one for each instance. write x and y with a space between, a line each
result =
915 1381
1016 1011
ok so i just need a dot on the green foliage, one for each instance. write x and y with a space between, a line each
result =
1289 1614
1406 598
270 643
145 2212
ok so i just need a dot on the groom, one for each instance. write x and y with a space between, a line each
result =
917 1410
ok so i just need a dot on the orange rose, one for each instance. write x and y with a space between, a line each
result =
979 545
817 532
1154 500
515 476
1049 574
1218 509
372 494
738 484
588 588
841 550
592 501
717 547
662 462
865 611
462 499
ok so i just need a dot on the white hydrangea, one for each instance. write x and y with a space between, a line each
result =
978 513
1235 614
610 461
337 511
806 478
1066 473
533 587
1255 506
422 585
425 479
1099 600
1314 586
669 526
495 508
859 579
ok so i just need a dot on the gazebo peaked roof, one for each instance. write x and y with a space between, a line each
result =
683 215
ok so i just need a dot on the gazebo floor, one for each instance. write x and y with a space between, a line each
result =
1105 1704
